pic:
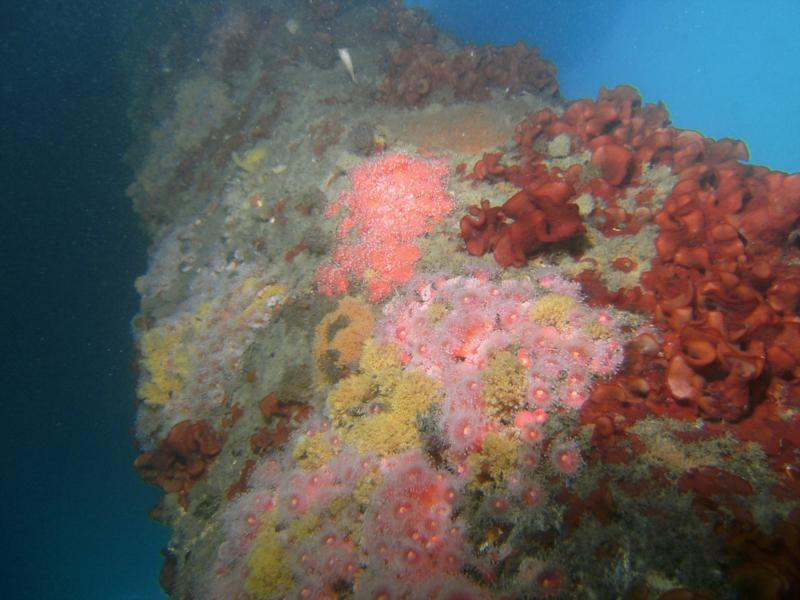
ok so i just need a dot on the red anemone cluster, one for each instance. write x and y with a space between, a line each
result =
720 287
628 133
620 132
541 213
416 71
411 24
282 419
181 458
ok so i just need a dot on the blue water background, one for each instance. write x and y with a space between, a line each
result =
73 519
727 68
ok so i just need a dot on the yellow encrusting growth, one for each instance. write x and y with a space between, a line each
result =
166 362
377 358
363 490
340 336
348 396
376 409
496 461
312 451
553 310
172 353
504 381
345 514
437 311
304 527
263 298
597 330
251 159
270 572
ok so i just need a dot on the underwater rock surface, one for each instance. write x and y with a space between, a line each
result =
436 332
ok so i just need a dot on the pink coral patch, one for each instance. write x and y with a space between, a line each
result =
393 200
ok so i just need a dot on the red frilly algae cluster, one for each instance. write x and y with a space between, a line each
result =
418 70
181 458
541 213
723 287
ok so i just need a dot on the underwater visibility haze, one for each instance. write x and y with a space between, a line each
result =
372 299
